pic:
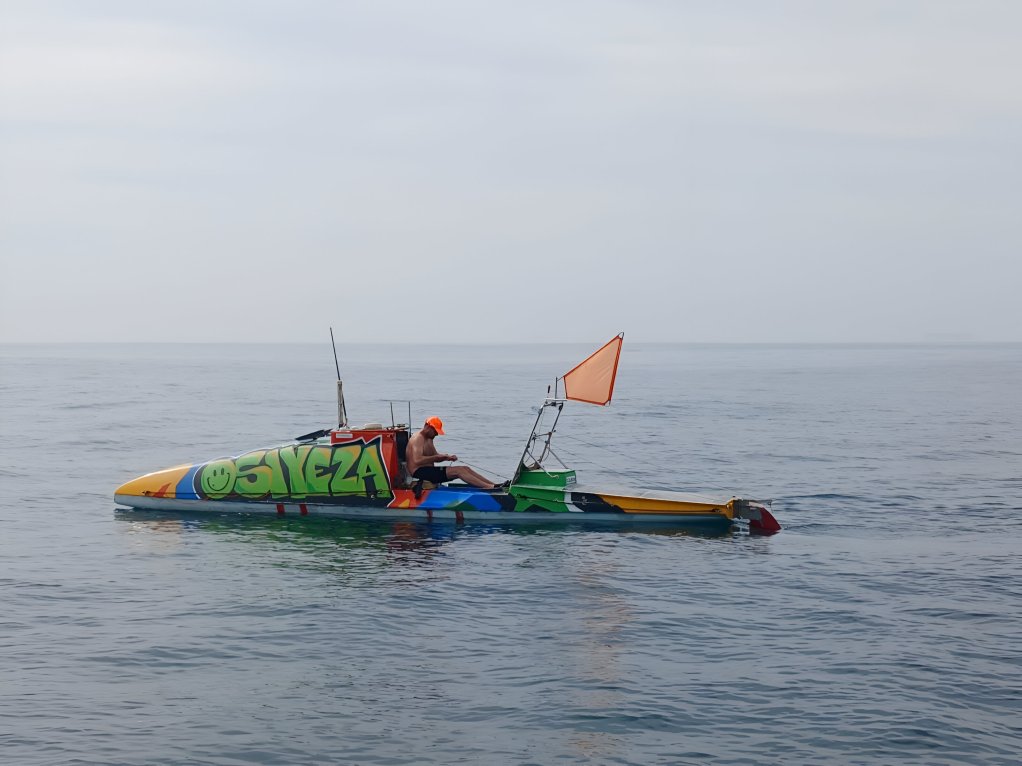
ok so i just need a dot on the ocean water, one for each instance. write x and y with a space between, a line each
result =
883 625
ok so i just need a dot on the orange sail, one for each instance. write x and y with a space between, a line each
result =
593 380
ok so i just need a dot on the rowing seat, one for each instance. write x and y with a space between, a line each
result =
404 479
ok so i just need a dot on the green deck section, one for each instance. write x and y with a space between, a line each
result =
544 489
541 478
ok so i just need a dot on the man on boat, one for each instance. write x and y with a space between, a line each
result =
422 457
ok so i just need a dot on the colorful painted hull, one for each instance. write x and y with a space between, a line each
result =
350 475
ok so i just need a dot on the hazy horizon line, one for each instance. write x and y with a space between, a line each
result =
510 343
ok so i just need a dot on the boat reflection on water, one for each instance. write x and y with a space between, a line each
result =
322 538
384 535
409 542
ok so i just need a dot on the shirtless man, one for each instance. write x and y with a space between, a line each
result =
422 457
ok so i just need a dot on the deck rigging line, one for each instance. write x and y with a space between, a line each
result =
585 459
486 471
615 453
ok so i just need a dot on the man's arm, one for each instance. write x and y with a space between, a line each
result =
430 455
415 456
430 459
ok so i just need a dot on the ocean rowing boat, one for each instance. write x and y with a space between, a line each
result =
359 473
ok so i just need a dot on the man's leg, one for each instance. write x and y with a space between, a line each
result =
469 476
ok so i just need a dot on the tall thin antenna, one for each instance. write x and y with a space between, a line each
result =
342 413
336 363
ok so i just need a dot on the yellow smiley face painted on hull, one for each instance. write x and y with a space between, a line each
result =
218 479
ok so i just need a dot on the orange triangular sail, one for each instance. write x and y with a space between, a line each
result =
593 380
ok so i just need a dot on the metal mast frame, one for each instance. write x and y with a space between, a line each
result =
544 437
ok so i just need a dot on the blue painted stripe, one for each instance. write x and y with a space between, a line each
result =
444 497
185 488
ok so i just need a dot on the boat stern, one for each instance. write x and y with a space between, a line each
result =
761 521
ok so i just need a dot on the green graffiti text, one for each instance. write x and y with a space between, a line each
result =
298 472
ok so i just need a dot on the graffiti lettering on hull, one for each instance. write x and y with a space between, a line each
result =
299 471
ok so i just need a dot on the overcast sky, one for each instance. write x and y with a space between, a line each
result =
510 171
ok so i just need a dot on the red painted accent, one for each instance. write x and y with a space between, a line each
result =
388 443
280 509
304 509
162 491
459 517
766 524
405 498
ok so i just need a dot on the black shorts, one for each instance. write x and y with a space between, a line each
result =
431 473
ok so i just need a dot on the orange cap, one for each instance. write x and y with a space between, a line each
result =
437 423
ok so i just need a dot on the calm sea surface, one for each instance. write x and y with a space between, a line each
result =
882 626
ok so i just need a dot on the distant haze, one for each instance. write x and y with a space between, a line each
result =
510 171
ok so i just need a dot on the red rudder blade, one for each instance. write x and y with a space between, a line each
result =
766 524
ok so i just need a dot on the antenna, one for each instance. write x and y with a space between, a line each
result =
342 413
336 364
